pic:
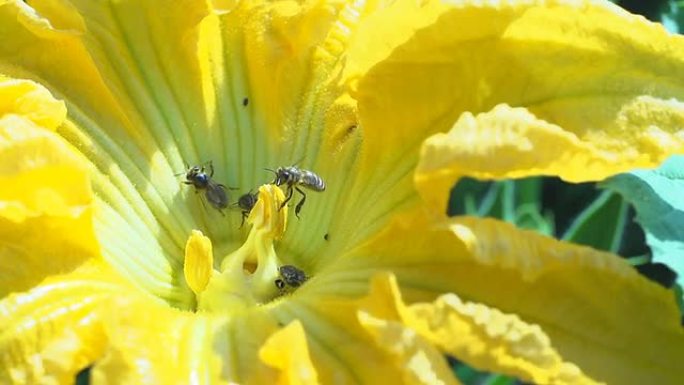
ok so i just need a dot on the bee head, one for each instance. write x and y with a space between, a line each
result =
193 172
247 201
282 176
197 176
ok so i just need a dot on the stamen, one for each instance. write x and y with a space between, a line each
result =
239 283
199 260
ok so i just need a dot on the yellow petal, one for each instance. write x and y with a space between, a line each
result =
132 100
153 344
46 221
91 318
38 45
288 63
287 351
418 359
199 261
585 68
53 331
579 297
31 101
485 337
340 348
512 143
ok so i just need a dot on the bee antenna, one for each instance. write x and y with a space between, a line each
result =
187 168
268 169
297 163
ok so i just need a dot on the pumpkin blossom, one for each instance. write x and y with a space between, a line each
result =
109 262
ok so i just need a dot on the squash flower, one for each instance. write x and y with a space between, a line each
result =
109 262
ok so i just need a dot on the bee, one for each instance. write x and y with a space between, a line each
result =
290 277
214 192
246 203
294 177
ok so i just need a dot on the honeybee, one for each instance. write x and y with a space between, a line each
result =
294 177
246 203
290 276
214 192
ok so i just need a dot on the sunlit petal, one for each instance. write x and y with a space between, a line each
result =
512 143
483 336
54 330
581 298
153 344
588 69
46 224
287 351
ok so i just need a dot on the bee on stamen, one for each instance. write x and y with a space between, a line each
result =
290 278
294 177
246 203
215 193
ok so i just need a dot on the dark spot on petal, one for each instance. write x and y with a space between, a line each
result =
326 236
351 129
245 102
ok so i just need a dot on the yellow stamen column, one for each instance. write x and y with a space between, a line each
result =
247 275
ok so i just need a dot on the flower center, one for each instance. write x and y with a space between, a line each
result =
250 275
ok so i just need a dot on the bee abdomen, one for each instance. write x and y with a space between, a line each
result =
312 181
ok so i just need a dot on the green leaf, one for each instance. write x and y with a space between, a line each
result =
497 379
527 216
529 192
601 224
672 16
466 374
516 201
658 197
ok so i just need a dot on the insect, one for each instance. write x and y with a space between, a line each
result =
214 192
290 277
246 202
294 177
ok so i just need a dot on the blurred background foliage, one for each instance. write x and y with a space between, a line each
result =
579 213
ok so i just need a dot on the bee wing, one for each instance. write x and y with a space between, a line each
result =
217 196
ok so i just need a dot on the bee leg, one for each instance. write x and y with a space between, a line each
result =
298 208
244 216
211 169
290 191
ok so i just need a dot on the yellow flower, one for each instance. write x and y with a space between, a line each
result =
108 261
